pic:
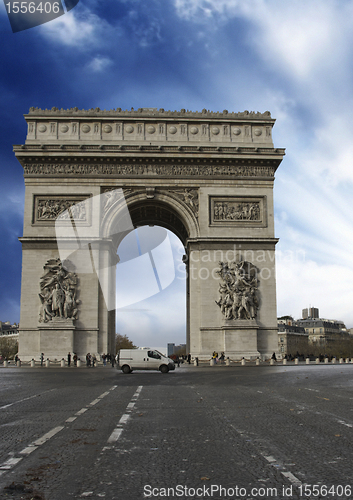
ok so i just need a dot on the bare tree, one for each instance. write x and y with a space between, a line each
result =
8 347
123 342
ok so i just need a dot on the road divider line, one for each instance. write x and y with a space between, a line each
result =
25 399
11 462
292 478
48 435
115 435
80 412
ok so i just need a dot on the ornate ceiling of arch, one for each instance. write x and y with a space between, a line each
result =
153 212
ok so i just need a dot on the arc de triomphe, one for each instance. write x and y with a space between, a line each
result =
91 176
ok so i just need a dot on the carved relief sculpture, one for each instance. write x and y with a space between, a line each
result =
58 289
60 209
238 290
191 198
236 211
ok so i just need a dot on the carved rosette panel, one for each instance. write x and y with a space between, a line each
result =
236 210
58 292
238 290
48 209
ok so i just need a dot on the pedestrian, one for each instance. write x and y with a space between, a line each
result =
75 359
221 358
274 357
104 358
94 359
42 359
189 358
112 357
69 359
88 359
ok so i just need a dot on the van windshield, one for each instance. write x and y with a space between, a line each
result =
154 354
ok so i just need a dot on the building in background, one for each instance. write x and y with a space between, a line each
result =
311 312
311 333
8 330
292 339
176 349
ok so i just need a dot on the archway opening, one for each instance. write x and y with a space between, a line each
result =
151 302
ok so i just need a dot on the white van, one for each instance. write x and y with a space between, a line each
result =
143 359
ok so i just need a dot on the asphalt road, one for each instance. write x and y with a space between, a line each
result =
199 432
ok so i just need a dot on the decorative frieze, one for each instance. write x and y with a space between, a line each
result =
238 210
145 169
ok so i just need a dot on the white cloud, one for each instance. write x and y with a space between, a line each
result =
98 64
303 283
80 31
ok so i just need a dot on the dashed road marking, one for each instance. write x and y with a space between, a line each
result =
48 435
71 419
25 399
115 435
11 462
80 412
292 478
345 423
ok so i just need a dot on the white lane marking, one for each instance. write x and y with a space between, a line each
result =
10 463
25 399
115 435
344 423
28 450
124 419
313 390
48 435
81 411
291 477
270 459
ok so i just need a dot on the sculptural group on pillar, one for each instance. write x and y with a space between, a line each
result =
238 290
58 292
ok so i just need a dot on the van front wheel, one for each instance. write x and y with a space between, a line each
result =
164 369
126 369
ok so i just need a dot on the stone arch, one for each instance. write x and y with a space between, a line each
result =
208 177
164 210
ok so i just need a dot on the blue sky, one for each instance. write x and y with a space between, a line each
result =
291 58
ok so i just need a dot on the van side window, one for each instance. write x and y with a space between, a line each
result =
153 354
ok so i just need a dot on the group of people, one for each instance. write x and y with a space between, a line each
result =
217 358
91 359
